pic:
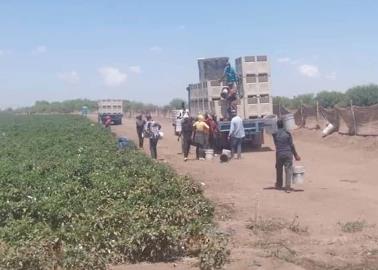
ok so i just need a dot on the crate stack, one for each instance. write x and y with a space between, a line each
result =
255 85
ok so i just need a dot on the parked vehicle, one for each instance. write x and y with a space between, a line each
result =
254 99
111 107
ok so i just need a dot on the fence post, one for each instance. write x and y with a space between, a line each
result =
317 114
302 118
354 117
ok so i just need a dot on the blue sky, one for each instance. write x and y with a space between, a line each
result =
147 50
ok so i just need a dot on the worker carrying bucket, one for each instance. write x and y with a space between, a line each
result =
285 151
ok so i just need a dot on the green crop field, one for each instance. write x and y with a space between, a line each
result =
70 200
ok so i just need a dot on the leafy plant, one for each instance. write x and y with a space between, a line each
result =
70 199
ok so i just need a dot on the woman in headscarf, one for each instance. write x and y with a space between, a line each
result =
201 131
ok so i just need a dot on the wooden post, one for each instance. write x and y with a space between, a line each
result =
354 117
302 119
317 114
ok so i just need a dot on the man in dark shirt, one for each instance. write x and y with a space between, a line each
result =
140 127
186 135
285 151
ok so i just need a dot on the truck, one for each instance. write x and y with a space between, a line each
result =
254 95
111 107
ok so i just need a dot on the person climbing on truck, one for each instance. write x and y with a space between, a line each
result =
229 92
285 151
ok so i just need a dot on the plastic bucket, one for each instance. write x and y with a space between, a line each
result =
226 152
209 154
288 121
328 130
298 175
270 124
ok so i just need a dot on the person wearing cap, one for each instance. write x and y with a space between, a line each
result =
140 127
236 134
285 150
201 131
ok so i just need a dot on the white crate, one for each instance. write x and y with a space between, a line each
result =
251 65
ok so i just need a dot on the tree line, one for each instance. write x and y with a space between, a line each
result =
362 95
75 105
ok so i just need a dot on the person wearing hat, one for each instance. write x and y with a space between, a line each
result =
236 134
201 131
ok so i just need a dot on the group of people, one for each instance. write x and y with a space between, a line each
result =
203 133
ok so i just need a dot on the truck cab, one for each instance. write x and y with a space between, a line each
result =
111 107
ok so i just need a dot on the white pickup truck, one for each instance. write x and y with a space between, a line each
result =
111 107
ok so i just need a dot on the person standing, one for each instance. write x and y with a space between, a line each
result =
285 150
186 135
236 134
152 131
201 130
108 121
140 123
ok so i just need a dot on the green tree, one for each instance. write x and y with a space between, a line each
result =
282 101
176 103
329 99
363 95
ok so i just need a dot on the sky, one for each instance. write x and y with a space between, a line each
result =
147 50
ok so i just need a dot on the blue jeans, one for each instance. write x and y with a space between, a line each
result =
236 144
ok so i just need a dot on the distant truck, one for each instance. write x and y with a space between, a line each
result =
111 107
254 94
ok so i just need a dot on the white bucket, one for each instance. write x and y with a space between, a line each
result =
328 130
209 154
288 121
270 124
298 174
226 152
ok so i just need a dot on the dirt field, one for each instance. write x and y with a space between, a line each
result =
328 223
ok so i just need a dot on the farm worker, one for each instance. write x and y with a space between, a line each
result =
212 130
152 131
201 131
140 127
108 121
230 75
285 151
186 135
232 80
236 134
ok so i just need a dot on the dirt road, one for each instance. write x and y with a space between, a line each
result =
328 222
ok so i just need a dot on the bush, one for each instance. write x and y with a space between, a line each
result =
69 198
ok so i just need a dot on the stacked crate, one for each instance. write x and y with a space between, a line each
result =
255 85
